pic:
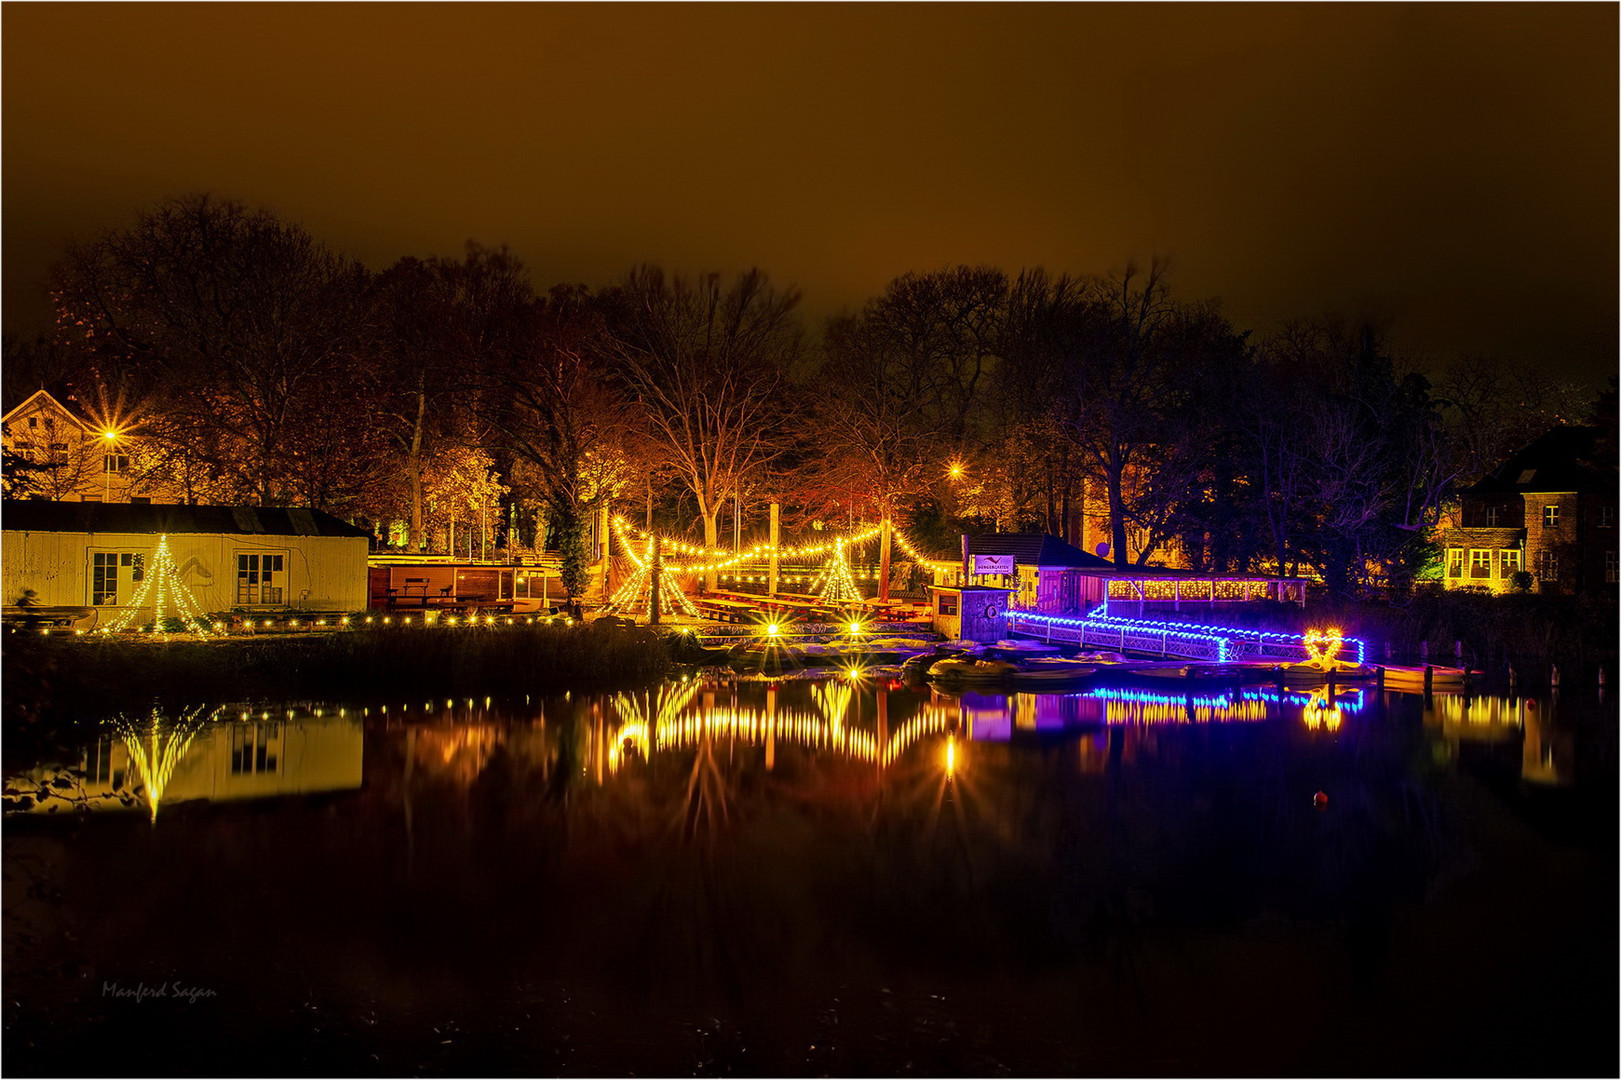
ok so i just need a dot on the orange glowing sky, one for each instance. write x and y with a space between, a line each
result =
1451 169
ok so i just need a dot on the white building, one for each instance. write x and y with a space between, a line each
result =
74 459
253 558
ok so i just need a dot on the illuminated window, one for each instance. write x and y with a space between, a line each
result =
1550 516
1548 566
1494 515
260 577
107 582
1454 562
1480 563
1510 560
948 604
104 578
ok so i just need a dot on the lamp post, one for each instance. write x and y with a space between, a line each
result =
110 437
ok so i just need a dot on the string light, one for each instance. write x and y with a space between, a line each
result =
1227 642
838 587
164 576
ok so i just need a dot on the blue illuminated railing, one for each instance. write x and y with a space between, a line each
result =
1193 641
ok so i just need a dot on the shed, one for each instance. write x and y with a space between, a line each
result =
256 558
1047 576
975 612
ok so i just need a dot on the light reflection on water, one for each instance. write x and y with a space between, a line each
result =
772 861
234 753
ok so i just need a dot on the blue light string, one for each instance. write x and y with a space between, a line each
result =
1189 631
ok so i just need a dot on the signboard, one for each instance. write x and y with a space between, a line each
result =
993 564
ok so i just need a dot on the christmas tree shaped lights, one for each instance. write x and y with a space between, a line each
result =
163 576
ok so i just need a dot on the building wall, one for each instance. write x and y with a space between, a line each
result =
1560 540
48 434
318 573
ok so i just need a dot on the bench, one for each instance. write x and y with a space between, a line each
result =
17 617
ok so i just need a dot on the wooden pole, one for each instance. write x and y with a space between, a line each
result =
655 574
883 559
603 524
776 518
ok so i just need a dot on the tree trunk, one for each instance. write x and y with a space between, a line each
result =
413 468
710 514
1117 509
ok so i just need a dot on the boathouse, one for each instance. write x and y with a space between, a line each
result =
248 558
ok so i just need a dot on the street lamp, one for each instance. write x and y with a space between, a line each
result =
111 438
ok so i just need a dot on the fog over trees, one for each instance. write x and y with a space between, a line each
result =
258 366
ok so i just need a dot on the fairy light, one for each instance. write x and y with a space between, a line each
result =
163 578
838 587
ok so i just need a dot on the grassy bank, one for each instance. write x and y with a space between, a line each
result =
49 680
1532 632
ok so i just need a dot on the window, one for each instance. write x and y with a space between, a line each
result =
1454 562
1494 516
104 578
1606 517
1548 566
255 748
114 574
115 463
1480 563
948 604
33 421
1609 567
260 577
1509 559
1550 516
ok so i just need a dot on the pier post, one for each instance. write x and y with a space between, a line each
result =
1553 678
1379 678
1429 680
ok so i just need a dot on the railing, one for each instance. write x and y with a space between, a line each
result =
1191 641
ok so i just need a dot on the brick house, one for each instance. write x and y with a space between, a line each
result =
1549 510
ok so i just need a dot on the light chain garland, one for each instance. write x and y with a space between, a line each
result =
165 575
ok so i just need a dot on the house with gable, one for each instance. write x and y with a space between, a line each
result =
67 457
1548 511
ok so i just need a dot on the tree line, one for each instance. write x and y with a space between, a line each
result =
257 365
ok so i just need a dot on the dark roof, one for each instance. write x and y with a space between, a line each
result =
39 515
1553 462
1035 549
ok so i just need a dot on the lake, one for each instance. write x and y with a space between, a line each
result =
821 877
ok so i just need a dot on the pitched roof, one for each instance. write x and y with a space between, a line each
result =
1035 549
48 401
1552 462
39 515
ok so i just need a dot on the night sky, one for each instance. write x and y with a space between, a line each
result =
1450 169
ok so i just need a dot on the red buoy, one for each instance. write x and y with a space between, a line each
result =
1320 800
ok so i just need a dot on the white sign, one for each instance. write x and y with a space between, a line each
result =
993 564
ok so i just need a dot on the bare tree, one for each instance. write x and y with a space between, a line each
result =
705 360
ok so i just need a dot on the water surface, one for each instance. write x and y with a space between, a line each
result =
821 877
